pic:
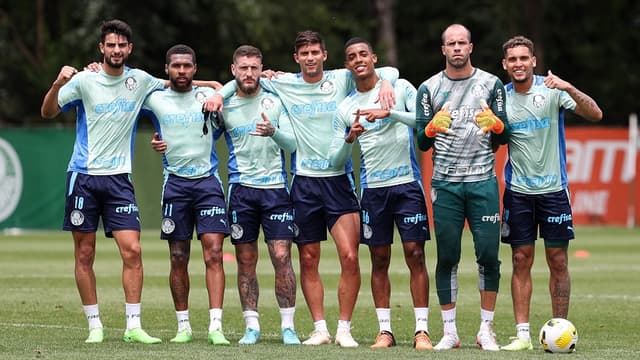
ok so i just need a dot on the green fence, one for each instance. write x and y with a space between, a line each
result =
33 164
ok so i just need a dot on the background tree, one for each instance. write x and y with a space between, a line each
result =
592 44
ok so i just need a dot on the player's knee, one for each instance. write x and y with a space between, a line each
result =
131 252
558 267
521 261
179 257
213 257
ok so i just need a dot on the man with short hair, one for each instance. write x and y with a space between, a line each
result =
391 188
98 184
536 196
257 131
192 192
460 114
323 194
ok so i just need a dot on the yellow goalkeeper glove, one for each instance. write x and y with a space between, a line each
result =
440 122
488 121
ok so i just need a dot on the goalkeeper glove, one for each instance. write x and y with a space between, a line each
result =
488 121
440 122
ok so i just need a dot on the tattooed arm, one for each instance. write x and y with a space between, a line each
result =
585 105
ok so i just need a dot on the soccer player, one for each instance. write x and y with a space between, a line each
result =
536 196
257 130
391 186
192 191
460 114
107 105
323 195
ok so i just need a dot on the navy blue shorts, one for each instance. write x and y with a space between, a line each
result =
251 207
403 204
192 202
91 197
319 202
523 214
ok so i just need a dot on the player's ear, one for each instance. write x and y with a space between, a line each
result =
533 61
166 69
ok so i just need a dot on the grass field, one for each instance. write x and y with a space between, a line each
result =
41 316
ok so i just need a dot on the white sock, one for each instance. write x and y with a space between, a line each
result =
93 316
523 332
422 319
449 321
320 325
215 319
251 319
132 312
486 319
344 325
384 319
183 320
286 317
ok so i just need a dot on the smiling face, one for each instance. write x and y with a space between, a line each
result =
311 58
115 49
519 63
360 60
181 70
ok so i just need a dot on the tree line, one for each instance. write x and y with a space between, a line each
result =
592 44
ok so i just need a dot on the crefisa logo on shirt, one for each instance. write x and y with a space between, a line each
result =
326 87
131 83
10 179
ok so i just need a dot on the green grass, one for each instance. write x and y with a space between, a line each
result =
41 316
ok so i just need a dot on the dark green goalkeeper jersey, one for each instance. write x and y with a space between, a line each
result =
466 155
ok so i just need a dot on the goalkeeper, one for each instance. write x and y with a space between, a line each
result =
460 114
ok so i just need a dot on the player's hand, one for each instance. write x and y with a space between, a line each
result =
356 129
487 120
213 103
371 115
65 74
440 123
158 144
264 127
270 74
93 67
386 95
554 82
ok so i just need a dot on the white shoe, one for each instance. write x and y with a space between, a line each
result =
486 340
318 337
344 339
449 341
